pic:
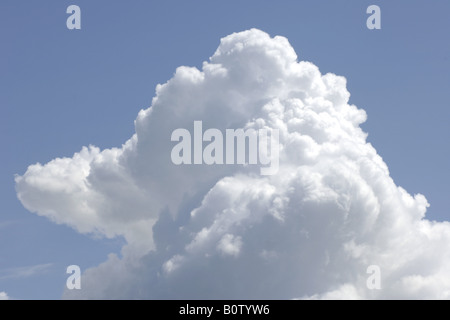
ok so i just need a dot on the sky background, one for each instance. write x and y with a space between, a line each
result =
62 89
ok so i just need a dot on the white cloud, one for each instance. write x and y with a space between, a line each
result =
3 296
230 245
309 231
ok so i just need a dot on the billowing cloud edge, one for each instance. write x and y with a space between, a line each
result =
309 231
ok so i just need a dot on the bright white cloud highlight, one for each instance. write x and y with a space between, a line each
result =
309 231
3 296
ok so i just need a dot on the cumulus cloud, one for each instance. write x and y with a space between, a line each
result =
225 231
3 296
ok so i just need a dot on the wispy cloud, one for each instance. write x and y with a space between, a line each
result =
24 272
6 224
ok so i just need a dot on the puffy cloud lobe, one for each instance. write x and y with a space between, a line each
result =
3 296
197 231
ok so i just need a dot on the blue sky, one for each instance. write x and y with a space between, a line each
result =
63 89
